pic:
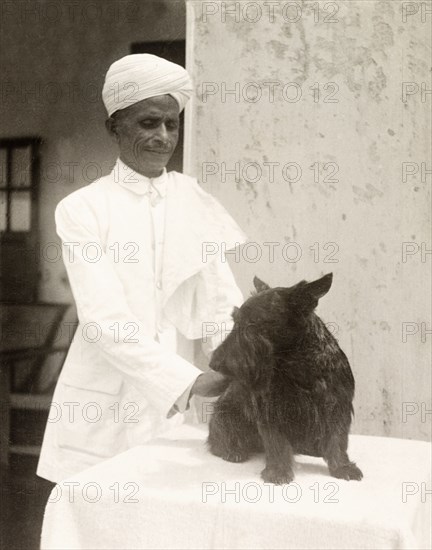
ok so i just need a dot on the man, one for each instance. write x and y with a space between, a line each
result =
133 250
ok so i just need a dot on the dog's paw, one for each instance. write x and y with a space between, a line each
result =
235 456
227 454
277 476
348 471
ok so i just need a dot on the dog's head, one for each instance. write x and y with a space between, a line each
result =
271 321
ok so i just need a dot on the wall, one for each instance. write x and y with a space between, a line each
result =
51 79
335 71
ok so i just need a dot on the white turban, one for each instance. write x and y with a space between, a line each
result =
140 76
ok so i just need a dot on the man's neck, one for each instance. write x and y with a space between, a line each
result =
148 173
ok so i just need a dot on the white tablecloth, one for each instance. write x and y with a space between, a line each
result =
172 493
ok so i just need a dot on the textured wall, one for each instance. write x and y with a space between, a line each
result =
353 207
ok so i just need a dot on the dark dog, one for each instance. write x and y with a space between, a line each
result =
291 387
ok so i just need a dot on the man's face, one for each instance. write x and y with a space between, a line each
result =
147 133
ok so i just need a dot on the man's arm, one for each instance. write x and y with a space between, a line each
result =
207 384
159 374
210 383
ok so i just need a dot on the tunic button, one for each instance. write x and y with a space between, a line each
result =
159 285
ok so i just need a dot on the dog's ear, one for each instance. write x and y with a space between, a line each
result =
317 289
260 285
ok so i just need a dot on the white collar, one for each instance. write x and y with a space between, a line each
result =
128 178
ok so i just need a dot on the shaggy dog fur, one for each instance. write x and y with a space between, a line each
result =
291 386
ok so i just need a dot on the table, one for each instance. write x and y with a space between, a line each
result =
172 493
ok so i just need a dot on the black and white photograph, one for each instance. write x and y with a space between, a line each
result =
215 274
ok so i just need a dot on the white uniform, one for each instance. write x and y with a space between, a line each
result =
135 251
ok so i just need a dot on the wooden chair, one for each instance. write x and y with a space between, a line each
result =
28 337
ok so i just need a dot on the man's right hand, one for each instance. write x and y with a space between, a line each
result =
210 384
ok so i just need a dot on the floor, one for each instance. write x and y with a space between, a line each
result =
23 498
23 495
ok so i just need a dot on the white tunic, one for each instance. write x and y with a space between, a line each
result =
143 286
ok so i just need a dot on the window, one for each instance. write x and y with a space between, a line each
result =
19 231
17 184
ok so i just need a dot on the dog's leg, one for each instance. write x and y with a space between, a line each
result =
231 435
338 461
279 456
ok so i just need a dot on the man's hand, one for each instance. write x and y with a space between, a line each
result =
210 384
